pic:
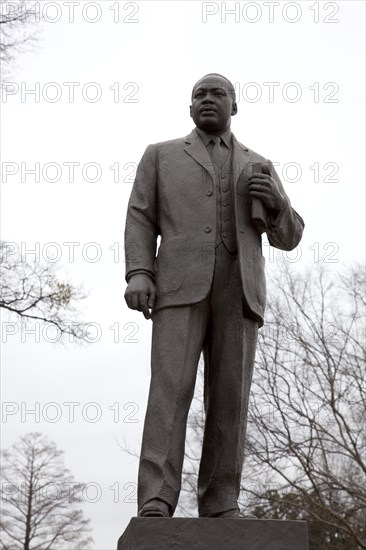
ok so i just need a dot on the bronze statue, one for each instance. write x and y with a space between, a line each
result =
209 198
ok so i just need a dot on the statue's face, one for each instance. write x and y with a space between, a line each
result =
212 104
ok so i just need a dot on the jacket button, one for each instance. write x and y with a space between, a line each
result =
223 176
224 190
226 219
225 234
209 193
225 203
208 229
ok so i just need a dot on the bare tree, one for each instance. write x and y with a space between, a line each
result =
308 410
292 505
40 499
32 291
16 17
306 445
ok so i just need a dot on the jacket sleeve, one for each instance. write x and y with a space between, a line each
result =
142 226
285 228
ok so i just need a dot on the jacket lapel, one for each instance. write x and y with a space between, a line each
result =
196 149
240 159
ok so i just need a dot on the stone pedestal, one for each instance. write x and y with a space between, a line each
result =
213 534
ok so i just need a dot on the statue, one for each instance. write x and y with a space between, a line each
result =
209 198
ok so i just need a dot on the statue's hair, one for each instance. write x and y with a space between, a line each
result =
230 89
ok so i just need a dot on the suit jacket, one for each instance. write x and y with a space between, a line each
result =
174 196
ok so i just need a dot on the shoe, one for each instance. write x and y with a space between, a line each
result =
155 508
235 514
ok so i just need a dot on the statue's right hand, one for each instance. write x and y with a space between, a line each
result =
141 294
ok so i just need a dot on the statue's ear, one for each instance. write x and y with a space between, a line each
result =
234 109
190 110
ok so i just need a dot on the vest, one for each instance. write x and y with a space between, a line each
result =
225 214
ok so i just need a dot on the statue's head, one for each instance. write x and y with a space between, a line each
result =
213 103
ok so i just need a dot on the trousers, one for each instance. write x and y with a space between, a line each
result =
219 327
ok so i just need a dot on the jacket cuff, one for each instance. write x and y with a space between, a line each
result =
136 271
275 218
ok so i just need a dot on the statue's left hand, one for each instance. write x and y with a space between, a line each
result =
264 187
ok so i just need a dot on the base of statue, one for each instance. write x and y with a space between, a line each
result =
213 534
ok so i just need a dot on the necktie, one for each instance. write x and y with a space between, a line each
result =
218 154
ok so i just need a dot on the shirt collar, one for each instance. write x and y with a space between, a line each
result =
206 138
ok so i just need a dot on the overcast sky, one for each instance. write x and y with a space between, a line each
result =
299 72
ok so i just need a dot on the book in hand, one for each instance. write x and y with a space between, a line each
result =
259 214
